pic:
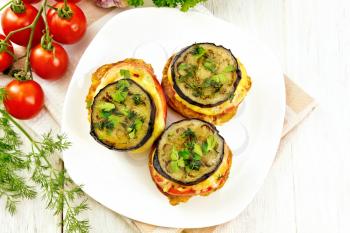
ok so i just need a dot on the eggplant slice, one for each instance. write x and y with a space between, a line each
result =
122 116
189 151
205 75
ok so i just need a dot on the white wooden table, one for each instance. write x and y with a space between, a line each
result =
308 187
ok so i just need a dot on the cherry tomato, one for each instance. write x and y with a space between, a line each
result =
66 31
31 1
11 20
49 64
6 59
72 1
24 99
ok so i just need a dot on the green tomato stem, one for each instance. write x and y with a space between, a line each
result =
29 46
18 6
4 6
65 4
46 40
16 31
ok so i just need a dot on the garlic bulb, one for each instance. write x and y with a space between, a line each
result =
111 3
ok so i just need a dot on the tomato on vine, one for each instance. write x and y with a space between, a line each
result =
31 1
67 24
23 99
6 54
49 61
20 15
72 1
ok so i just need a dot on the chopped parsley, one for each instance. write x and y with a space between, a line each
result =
137 99
179 159
229 68
197 149
185 154
188 158
106 106
198 51
105 124
114 119
131 114
209 144
195 165
189 134
135 126
187 72
125 73
122 91
209 65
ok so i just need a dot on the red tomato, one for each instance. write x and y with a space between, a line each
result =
72 1
31 1
6 59
67 31
24 99
175 192
12 21
49 64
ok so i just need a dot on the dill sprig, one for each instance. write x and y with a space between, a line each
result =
57 187
13 186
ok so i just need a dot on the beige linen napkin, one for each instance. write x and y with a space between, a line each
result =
299 103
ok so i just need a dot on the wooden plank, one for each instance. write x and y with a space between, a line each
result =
319 61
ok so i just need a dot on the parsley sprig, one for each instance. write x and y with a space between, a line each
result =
184 4
56 186
190 157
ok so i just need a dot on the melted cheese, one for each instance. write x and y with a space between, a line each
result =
240 93
145 80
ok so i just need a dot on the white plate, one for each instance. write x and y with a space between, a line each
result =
122 183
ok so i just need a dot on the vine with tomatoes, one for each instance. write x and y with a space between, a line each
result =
41 31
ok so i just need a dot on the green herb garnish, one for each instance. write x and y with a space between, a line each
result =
174 167
197 149
229 69
120 96
185 154
177 160
131 114
122 91
189 134
198 51
106 106
209 65
137 99
195 165
135 126
114 120
125 73
209 144
105 114
123 85
174 155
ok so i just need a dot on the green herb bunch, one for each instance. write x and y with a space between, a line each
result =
185 5
56 186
